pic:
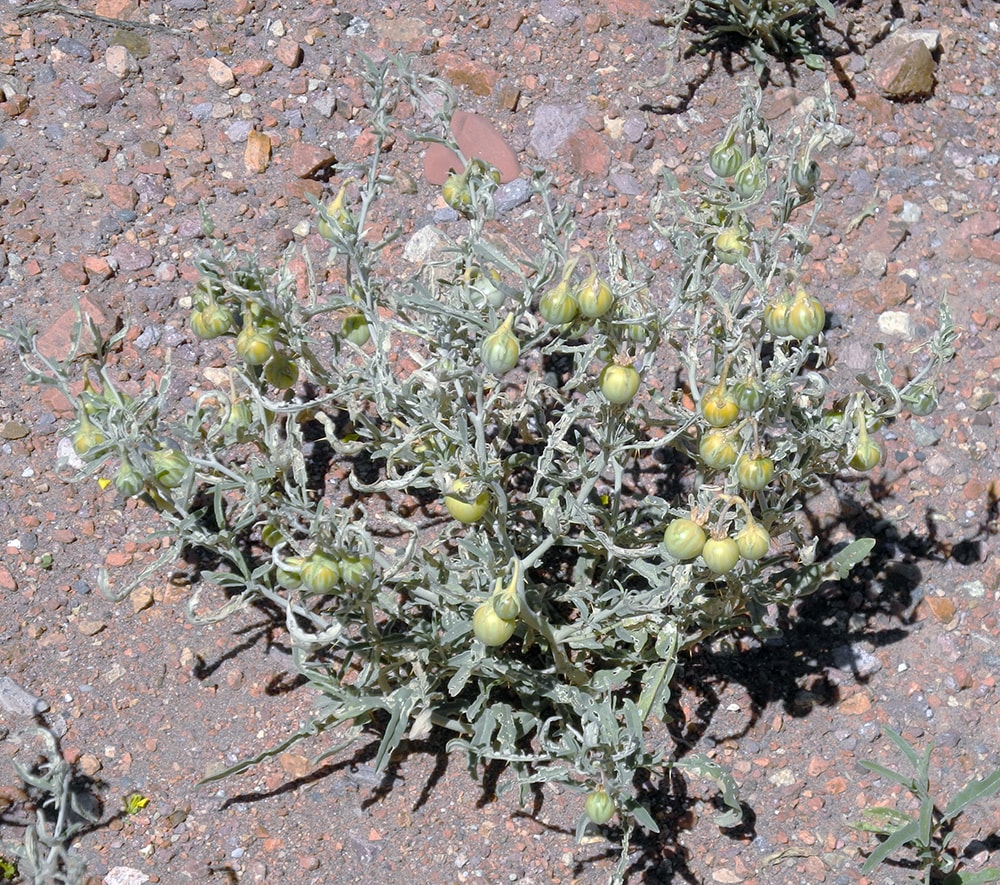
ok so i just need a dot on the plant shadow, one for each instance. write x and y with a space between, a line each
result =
818 651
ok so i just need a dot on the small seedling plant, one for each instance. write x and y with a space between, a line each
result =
927 833
504 493
64 808
770 30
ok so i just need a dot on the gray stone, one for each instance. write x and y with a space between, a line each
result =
19 701
511 195
554 124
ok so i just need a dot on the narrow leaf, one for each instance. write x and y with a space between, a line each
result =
888 773
902 836
904 747
972 792
972 878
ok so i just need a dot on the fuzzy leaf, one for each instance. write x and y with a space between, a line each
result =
903 836
704 767
972 792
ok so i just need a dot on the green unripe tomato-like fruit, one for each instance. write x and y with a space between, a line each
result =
806 316
921 402
320 573
749 395
718 450
87 439
128 480
750 178
211 321
271 534
501 349
457 193
718 407
753 473
240 418
684 539
725 159
595 297
867 455
776 316
506 605
338 214
730 245
489 628
461 507
290 577
355 329
558 306
255 347
618 383
169 467
356 571
288 580
600 807
720 554
281 372
483 171
753 541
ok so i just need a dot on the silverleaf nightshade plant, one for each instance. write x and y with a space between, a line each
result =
491 561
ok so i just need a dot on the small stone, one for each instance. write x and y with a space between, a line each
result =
131 256
941 607
311 161
257 154
13 430
930 37
74 273
57 341
142 598
856 704
477 76
120 62
589 153
896 323
19 701
425 245
125 876
986 250
89 764
906 72
982 398
221 74
289 53
476 137
294 764
91 627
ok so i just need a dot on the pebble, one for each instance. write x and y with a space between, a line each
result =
511 195
19 701
896 323
120 62
125 876
553 125
221 74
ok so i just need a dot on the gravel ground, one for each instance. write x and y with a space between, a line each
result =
111 138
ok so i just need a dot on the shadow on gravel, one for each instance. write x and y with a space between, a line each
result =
821 643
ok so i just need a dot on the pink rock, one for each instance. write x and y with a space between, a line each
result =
311 161
476 137
589 154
